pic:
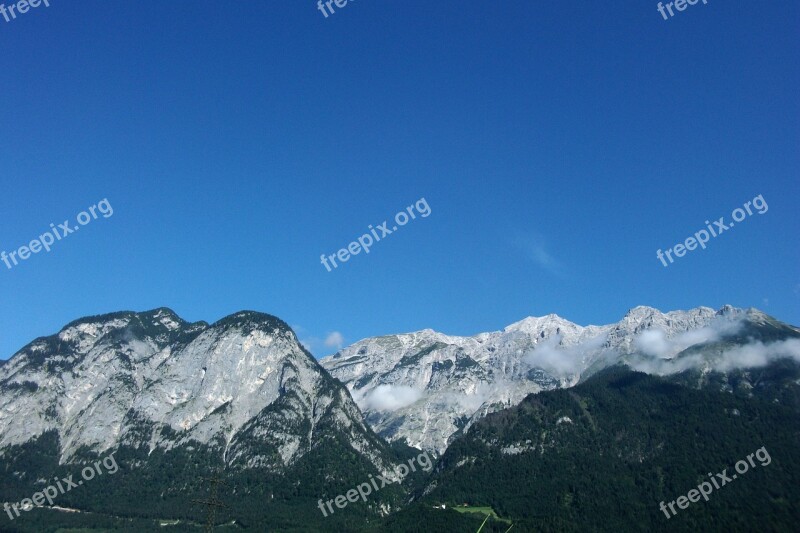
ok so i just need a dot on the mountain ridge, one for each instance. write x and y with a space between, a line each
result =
424 387
102 376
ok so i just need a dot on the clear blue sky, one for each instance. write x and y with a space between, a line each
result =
558 145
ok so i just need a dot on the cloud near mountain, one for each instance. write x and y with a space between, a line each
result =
388 397
753 355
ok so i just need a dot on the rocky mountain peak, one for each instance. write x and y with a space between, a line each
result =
151 380
543 326
247 321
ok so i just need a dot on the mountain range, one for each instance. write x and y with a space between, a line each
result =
426 388
241 399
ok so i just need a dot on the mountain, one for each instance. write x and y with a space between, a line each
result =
176 401
426 388
603 455
241 400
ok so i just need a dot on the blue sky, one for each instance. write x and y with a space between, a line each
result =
558 145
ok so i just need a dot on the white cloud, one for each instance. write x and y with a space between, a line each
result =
654 342
549 358
753 355
315 344
387 397
535 247
334 340
757 354
562 361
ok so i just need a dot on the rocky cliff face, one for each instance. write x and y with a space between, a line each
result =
426 387
243 387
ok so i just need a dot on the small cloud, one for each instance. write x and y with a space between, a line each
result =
334 340
315 344
654 342
387 397
541 256
562 361
535 247
550 358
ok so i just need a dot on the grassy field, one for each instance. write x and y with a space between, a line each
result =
482 510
